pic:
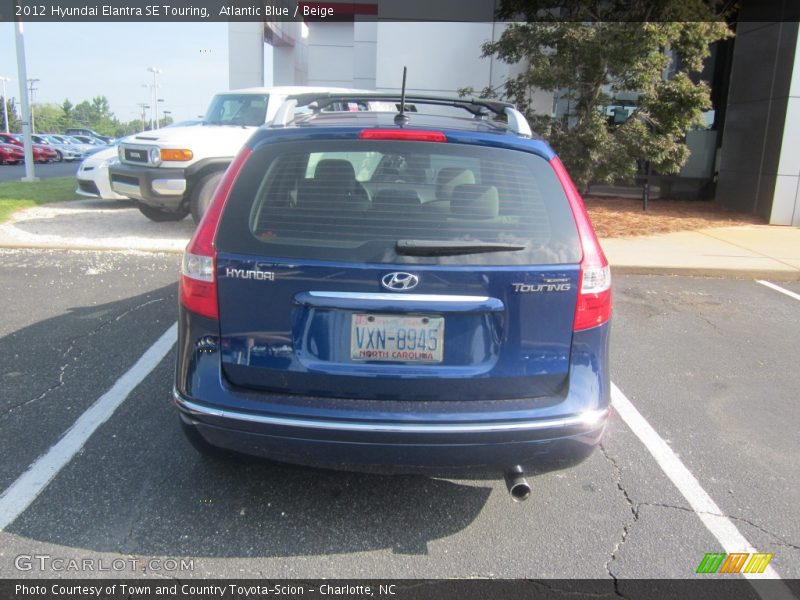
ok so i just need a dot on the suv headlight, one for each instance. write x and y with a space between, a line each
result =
155 156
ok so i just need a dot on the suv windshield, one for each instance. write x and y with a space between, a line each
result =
237 109
399 202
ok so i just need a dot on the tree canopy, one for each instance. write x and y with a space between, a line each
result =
589 54
92 114
14 122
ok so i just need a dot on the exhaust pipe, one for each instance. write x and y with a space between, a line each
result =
517 485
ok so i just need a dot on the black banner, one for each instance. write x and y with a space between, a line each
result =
392 10
397 589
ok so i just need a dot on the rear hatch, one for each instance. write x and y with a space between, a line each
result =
383 269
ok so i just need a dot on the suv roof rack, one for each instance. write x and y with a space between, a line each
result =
478 107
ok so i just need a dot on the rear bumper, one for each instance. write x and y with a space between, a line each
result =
393 447
472 438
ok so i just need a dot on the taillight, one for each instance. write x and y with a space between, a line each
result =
594 296
408 135
198 283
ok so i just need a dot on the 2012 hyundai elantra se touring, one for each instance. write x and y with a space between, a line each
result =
414 292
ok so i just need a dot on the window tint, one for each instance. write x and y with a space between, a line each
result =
355 200
237 109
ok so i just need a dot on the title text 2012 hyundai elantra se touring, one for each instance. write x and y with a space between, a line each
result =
396 293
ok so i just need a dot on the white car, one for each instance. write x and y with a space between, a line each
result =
173 171
93 178
65 152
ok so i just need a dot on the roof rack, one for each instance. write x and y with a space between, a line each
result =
478 107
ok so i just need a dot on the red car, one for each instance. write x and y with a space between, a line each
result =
41 153
11 154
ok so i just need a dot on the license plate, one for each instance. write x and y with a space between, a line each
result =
397 339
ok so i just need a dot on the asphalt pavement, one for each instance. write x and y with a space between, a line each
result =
42 171
709 363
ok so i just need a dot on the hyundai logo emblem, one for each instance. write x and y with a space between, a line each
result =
399 281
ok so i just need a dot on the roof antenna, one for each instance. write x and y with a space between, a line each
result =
401 118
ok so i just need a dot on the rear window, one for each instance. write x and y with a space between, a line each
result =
353 200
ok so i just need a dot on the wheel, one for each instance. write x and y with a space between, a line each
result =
160 215
59 156
203 193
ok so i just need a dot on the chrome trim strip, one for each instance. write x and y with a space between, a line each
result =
590 419
169 187
400 297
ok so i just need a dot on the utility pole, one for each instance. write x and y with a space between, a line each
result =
155 71
32 89
143 106
5 102
22 75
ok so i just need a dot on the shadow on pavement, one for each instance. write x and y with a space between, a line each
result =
138 487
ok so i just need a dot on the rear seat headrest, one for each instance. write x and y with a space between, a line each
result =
475 202
397 200
449 178
335 170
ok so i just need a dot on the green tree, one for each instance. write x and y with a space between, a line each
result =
83 115
129 128
14 122
66 108
592 51
47 118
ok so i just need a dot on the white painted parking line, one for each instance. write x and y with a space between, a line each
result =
32 482
778 288
707 510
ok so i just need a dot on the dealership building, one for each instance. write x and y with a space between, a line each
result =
751 149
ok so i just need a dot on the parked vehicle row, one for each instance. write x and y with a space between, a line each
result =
50 147
42 153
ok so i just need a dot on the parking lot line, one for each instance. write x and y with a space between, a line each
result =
703 505
778 288
32 482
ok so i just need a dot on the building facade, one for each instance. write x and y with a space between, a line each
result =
752 150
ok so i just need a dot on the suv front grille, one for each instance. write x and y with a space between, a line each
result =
136 155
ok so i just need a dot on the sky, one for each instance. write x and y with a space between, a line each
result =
81 60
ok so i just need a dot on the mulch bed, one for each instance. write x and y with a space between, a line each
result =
624 217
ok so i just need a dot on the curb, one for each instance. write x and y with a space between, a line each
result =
87 248
720 272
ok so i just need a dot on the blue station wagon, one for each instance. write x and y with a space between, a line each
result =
419 292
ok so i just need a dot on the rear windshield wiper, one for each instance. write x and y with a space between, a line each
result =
451 248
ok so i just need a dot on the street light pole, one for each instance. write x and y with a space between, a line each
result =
5 102
32 89
155 71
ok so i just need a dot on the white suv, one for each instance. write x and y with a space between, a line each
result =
174 171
